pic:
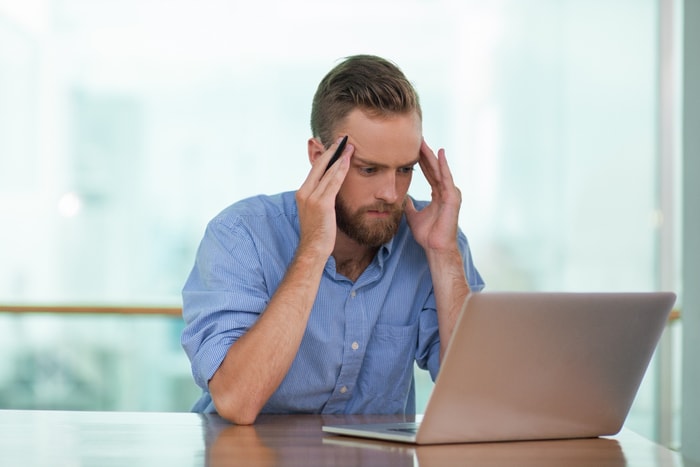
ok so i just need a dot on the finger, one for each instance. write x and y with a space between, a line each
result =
338 152
438 164
445 172
451 193
429 165
318 168
335 175
331 181
334 152
409 208
437 172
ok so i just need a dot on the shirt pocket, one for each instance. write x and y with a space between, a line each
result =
387 373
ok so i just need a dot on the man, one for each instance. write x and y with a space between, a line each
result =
320 301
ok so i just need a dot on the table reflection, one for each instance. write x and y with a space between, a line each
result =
580 452
294 440
298 440
239 445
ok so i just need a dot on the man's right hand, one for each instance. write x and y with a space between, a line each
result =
316 201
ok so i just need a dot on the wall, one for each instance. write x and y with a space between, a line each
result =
691 231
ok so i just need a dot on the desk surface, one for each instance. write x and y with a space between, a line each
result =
57 438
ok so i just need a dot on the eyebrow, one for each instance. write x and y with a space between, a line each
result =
377 164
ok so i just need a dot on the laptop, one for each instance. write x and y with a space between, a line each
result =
533 365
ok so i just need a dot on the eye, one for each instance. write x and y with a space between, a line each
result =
367 170
406 170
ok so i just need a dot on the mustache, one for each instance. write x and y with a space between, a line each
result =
385 207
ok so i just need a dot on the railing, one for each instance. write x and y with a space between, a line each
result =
96 310
136 310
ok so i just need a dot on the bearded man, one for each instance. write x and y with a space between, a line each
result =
321 300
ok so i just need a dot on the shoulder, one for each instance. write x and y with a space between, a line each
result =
263 223
259 209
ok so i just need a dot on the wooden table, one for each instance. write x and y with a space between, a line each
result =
60 438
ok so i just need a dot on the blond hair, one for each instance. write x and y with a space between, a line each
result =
370 83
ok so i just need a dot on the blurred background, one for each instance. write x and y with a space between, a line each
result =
126 125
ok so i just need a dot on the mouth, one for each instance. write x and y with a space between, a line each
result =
379 213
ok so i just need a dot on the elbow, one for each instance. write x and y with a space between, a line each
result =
239 417
238 410
235 399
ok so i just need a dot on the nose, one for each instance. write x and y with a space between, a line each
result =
387 190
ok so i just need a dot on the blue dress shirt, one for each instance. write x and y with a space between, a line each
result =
362 338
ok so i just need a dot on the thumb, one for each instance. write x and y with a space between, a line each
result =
410 209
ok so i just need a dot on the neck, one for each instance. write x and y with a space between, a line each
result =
351 258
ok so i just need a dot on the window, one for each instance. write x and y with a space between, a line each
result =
125 126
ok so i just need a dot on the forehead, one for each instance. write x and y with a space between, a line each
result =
393 139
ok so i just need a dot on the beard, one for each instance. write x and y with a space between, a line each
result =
368 232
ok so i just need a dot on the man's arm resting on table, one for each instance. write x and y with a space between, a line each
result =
256 363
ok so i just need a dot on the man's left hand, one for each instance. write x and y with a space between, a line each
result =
435 226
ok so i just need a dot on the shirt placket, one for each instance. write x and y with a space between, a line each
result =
354 343
358 323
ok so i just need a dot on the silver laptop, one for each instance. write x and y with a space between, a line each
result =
527 366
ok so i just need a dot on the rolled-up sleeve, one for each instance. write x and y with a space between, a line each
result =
222 297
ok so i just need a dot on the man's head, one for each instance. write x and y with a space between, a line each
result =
369 99
366 82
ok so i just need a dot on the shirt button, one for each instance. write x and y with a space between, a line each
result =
344 389
355 346
353 294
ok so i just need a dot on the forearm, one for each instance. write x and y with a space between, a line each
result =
258 361
451 289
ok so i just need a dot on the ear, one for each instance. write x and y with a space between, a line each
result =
315 149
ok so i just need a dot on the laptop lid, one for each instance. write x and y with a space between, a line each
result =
533 365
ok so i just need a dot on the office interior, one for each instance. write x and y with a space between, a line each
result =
125 126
